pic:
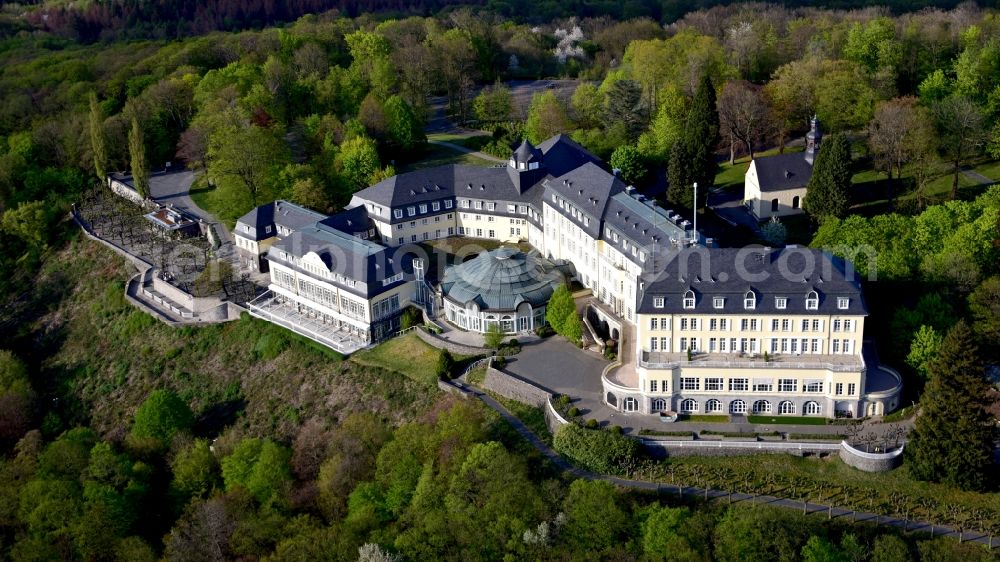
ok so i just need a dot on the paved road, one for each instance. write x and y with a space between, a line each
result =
670 489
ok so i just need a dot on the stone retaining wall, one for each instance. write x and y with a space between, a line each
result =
514 388
658 449
453 347
870 462
552 418
451 389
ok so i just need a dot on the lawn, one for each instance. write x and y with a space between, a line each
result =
437 155
407 354
989 169
796 420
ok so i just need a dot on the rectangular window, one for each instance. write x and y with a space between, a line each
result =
712 345
718 302
694 344
725 324
795 345
451 230
812 386
815 346
847 345
839 389
713 324
774 325
658 302
744 324
786 325
447 205
816 326
836 325
493 206
401 240
738 385
690 383
780 303
713 384
836 346
465 203
410 211
684 323
732 345
435 206
479 233
652 344
684 344
423 208
784 345
398 213
851 387
425 235
493 234
761 386
848 325
843 303
664 345
754 326
478 205
652 323
652 386
689 302
805 325
787 385
722 345
413 238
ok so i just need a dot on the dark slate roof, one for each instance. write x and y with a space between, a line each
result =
589 188
279 212
352 221
562 154
343 254
782 171
501 280
732 272
527 152
642 222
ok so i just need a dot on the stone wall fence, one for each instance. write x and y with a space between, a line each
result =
870 462
514 388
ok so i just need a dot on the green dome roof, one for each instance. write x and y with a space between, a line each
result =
501 280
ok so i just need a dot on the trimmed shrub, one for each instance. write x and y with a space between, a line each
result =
573 412
599 451
592 424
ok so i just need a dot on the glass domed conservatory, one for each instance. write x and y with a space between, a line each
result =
504 286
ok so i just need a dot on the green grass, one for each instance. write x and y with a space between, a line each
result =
476 376
990 170
437 155
407 354
531 416
658 433
793 420
703 418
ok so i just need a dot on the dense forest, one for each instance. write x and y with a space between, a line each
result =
121 19
230 453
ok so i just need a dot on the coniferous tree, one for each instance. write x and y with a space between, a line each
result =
952 439
828 193
137 154
98 144
692 158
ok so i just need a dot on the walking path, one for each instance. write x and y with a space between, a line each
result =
465 150
977 177
690 491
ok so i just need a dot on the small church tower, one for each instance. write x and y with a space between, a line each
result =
813 138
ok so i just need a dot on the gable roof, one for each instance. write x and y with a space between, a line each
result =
562 154
782 171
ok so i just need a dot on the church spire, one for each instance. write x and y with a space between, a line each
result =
813 138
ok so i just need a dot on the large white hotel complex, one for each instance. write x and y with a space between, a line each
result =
703 330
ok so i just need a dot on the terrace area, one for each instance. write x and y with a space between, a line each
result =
835 363
273 308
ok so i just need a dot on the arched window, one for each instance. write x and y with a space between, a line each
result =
795 202
630 404
762 407
812 408
689 299
786 407
750 300
713 405
812 300
737 407
659 405
689 405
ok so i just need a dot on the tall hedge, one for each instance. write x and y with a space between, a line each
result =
595 450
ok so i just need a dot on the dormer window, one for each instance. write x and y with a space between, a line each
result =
423 208
689 299
843 303
812 301
658 302
398 213
435 206
749 300
781 303
718 302
410 211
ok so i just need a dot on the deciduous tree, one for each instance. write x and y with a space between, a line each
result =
743 116
160 417
631 163
899 133
960 126
137 158
546 117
